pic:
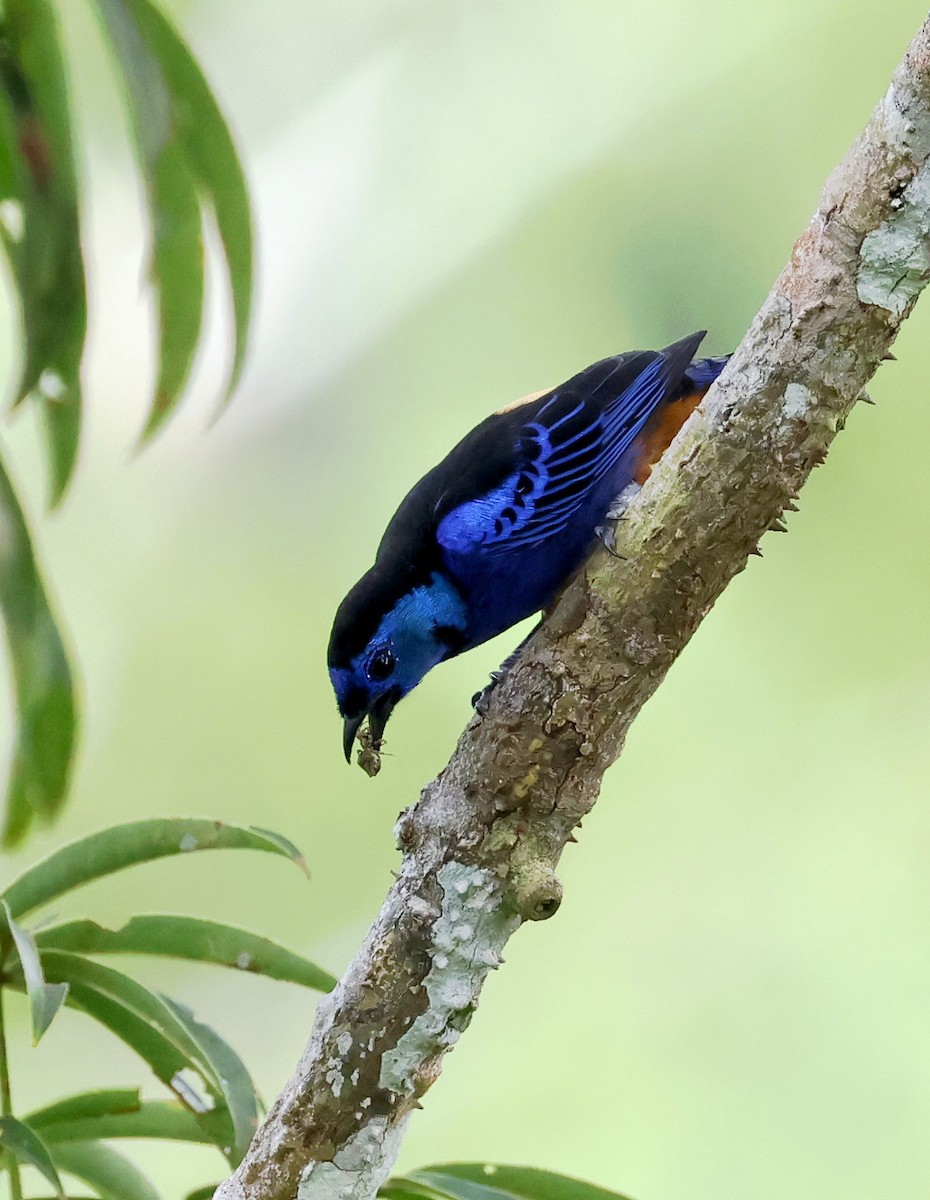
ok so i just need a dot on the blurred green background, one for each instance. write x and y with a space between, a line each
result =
459 203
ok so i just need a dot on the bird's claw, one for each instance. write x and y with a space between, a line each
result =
481 701
606 536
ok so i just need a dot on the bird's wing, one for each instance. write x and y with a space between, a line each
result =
574 441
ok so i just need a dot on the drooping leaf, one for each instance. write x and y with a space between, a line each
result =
167 1062
42 682
45 999
204 134
103 1103
111 1175
13 167
185 151
161 1119
189 938
46 255
176 266
168 1037
27 1147
134 1014
160 1040
121 846
494 1181
238 1090
204 1193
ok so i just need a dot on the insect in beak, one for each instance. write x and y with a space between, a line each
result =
377 714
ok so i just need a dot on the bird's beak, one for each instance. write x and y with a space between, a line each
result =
377 715
349 730
379 712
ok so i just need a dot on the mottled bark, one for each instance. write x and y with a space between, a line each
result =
481 846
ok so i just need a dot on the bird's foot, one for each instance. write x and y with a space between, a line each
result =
606 535
481 701
622 502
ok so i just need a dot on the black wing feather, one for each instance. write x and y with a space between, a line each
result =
568 443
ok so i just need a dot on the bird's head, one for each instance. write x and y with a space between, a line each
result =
386 636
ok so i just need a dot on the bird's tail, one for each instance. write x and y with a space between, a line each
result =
702 373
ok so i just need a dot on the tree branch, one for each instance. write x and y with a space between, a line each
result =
481 846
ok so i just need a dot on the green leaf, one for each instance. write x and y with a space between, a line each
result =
118 1113
206 139
168 1063
46 258
122 846
174 208
137 1016
189 938
406 1189
177 270
158 1037
238 1090
185 150
13 168
42 682
45 999
161 1119
110 1175
103 1103
204 1193
493 1181
27 1147
166 1035
442 1187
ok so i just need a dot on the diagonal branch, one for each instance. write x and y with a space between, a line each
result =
480 847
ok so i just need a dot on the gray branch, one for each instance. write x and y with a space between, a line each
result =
481 847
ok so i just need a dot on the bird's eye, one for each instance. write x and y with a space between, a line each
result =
381 665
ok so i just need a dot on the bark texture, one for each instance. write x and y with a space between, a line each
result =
481 846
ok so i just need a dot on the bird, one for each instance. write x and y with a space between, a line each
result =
494 531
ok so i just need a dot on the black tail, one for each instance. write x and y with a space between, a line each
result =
703 371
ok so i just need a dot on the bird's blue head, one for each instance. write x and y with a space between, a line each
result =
384 640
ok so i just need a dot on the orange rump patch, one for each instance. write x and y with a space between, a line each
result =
660 432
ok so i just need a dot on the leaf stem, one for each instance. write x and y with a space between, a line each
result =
6 1108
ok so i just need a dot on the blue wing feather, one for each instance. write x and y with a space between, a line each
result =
564 456
564 459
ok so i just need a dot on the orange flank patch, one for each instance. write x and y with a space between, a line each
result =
660 432
523 400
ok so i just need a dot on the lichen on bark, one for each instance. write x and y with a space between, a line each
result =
895 257
469 934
